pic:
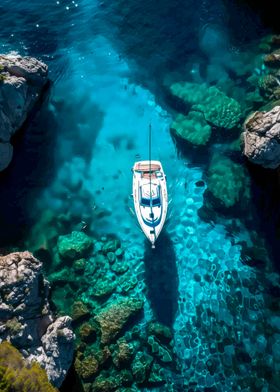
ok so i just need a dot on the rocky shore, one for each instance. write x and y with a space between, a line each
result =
22 80
26 319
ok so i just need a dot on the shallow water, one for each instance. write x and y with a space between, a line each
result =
107 90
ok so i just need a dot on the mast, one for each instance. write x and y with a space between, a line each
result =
150 172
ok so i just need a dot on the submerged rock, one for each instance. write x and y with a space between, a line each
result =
25 317
141 367
262 138
273 59
162 332
227 181
123 354
86 368
113 318
192 128
21 83
74 246
218 109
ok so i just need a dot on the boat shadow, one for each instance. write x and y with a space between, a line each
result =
162 278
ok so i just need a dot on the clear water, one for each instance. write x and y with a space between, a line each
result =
76 154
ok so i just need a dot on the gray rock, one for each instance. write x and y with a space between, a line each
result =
57 350
25 317
21 82
29 68
262 138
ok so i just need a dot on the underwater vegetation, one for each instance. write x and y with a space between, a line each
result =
218 109
18 376
116 347
192 128
228 181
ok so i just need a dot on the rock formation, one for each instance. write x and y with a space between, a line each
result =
25 317
21 82
262 138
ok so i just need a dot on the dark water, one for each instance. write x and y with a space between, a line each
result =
213 277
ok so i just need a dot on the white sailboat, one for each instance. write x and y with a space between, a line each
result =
150 196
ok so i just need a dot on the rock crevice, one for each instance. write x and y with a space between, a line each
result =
22 80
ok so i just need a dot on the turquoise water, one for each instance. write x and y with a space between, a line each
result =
108 86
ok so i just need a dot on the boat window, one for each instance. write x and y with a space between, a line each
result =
156 202
145 202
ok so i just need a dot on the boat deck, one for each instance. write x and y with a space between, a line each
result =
146 167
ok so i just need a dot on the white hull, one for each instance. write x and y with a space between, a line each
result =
150 197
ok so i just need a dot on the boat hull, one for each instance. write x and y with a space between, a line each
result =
150 197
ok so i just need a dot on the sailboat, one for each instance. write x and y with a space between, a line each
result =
150 196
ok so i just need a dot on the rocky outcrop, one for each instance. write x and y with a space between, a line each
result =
25 317
262 138
21 82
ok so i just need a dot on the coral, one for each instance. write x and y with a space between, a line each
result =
192 128
218 109
113 318
18 376
74 246
227 180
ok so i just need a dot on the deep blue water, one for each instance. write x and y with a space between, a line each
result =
213 274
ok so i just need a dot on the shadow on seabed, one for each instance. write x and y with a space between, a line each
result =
162 278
